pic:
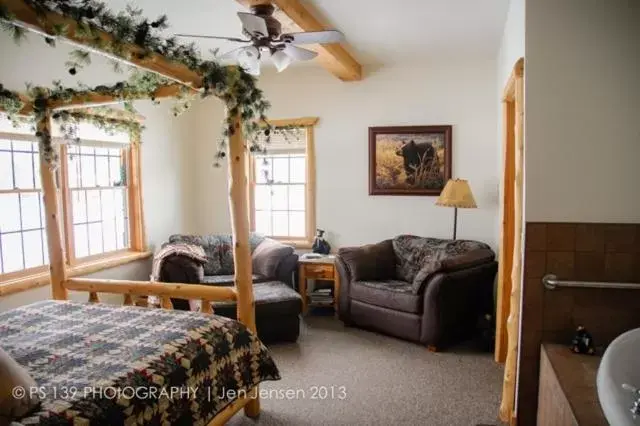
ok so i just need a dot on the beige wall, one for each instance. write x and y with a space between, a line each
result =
582 111
461 94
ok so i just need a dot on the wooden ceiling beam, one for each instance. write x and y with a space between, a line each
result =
333 57
27 17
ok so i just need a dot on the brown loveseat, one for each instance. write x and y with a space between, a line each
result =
426 290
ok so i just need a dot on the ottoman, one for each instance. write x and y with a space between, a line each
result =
278 309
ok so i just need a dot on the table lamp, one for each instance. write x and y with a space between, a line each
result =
456 194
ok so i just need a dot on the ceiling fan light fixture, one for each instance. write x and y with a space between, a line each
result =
281 60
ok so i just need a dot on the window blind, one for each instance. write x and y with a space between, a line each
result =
287 141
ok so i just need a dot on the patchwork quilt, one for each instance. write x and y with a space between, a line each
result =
98 364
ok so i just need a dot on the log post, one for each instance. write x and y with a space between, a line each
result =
57 266
507 407
238 190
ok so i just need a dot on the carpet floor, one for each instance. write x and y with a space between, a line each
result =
337 375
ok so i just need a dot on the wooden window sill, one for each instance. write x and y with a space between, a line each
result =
298 244
85 267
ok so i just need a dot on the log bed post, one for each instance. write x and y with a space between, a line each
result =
57 266
238 191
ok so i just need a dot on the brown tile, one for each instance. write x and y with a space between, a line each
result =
532 307
590 237
561 237
589 266
620 308
620 267
561 264
558 305
535 264
536 237
620 238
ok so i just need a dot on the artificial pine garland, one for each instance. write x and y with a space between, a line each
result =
231 84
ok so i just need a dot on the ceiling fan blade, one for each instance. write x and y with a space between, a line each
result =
231 55
238 40
312 37
249 59
298 53
253 25
281 60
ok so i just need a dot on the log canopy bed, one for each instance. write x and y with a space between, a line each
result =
60 341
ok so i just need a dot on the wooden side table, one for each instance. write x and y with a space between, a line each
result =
319 269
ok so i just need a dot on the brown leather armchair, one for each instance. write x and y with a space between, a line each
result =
442 309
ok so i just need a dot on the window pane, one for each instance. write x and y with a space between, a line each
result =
263 197
6 171
263 170
23 169
298 170
81 240
12 252
33 249
30 205
86 149
95 238
88 171
281 170
263 223
93 205
296 197
280 224
102 171
74 171
5 144
121 230
36 171
109 234
114 171
9 213
296 224
279 197
79 206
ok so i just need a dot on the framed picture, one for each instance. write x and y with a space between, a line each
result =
409 160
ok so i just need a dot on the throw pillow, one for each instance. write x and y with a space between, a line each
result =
267 255
13 375
370 262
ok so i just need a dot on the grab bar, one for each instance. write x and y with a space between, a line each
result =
551 282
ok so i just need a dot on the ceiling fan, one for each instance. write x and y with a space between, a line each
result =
265 40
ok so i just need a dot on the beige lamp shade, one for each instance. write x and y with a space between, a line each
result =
457 193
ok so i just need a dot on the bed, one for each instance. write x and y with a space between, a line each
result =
106 364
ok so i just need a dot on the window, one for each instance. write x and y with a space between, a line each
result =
22 235
98 197
282 184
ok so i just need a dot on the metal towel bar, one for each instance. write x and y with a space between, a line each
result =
551 282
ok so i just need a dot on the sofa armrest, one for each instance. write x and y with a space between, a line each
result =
181 269
370 262
344 297
453 301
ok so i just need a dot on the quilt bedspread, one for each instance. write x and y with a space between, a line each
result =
102 364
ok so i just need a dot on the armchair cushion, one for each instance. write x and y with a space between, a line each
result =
370 262
420 258
390 294
267 256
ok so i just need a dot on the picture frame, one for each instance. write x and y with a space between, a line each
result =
409 160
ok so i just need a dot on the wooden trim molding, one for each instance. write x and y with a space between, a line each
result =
295 122
40 277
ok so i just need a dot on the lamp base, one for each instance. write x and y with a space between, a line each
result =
455 222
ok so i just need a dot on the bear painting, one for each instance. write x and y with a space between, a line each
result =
413 160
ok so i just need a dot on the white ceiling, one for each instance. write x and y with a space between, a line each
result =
378 32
